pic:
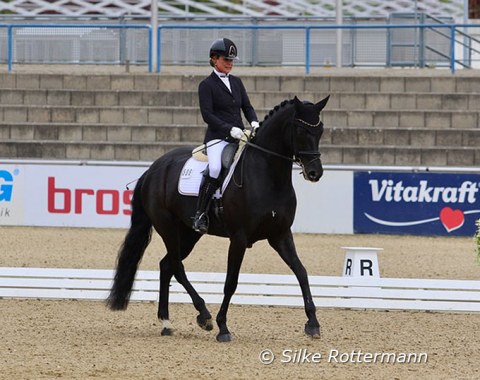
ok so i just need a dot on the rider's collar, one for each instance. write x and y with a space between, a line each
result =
219 74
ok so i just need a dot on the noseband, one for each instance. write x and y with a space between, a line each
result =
297 153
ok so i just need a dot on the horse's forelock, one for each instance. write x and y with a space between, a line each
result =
308 113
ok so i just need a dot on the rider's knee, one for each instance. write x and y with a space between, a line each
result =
214 170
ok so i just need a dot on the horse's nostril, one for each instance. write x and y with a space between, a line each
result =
314 175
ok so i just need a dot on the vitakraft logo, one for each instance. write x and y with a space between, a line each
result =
391 191
409 202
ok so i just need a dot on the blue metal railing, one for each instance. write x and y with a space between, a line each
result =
452 29
11 27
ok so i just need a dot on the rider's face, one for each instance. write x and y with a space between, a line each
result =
224 65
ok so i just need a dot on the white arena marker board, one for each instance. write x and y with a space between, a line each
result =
253 289
361 261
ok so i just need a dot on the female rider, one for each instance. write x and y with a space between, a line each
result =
222 96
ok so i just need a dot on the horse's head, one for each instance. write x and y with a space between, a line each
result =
307 131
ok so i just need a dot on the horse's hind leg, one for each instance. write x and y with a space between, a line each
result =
285 246
163 312
179 244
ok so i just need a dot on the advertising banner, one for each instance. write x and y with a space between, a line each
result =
325 206
12 185
342 202
75 195
66 195
81 196
416 203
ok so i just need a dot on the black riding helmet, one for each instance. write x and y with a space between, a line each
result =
224 48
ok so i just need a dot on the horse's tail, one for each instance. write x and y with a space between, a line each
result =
131 252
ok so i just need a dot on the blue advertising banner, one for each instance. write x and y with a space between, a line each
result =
416 203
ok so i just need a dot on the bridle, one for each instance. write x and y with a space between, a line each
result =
296 153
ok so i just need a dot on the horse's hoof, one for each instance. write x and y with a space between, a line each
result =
205 324
314 331
224 338
167 332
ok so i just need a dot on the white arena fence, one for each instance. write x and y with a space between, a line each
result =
225 8
253 289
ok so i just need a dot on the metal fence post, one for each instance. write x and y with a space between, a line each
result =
159 50
10 47
307 50
452 49
122 41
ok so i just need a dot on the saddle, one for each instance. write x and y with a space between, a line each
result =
194 169
228 154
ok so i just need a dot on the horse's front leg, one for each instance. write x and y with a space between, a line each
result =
285 246
236 253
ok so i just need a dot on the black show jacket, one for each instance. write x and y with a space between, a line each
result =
221 108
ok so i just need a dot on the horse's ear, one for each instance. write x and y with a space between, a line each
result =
297 103
322 103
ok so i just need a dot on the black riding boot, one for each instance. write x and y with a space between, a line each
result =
200 221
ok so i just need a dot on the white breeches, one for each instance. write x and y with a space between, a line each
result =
214 154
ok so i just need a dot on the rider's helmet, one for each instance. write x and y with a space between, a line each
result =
224 48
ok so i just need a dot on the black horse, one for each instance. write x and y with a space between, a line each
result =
263 207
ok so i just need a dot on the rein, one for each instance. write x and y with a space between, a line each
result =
295 153
268 151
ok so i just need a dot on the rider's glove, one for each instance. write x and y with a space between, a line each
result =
255 125
236 133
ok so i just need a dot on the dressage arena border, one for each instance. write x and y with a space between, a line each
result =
253 289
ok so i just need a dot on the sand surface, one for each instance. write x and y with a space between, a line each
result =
83 340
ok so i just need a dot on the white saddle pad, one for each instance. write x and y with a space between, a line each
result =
192 173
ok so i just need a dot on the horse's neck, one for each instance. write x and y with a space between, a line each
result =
276 157
273 132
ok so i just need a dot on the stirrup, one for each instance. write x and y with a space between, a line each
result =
200 222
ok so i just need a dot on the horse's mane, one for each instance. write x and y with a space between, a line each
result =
275 109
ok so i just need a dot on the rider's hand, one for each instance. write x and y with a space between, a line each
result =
236 133
255 125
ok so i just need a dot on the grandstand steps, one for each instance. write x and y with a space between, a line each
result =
375 120
335 136
98 132
87 150
149 151
190 115
434 81
347 100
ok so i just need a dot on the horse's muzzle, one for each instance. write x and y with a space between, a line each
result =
313 175
313 171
